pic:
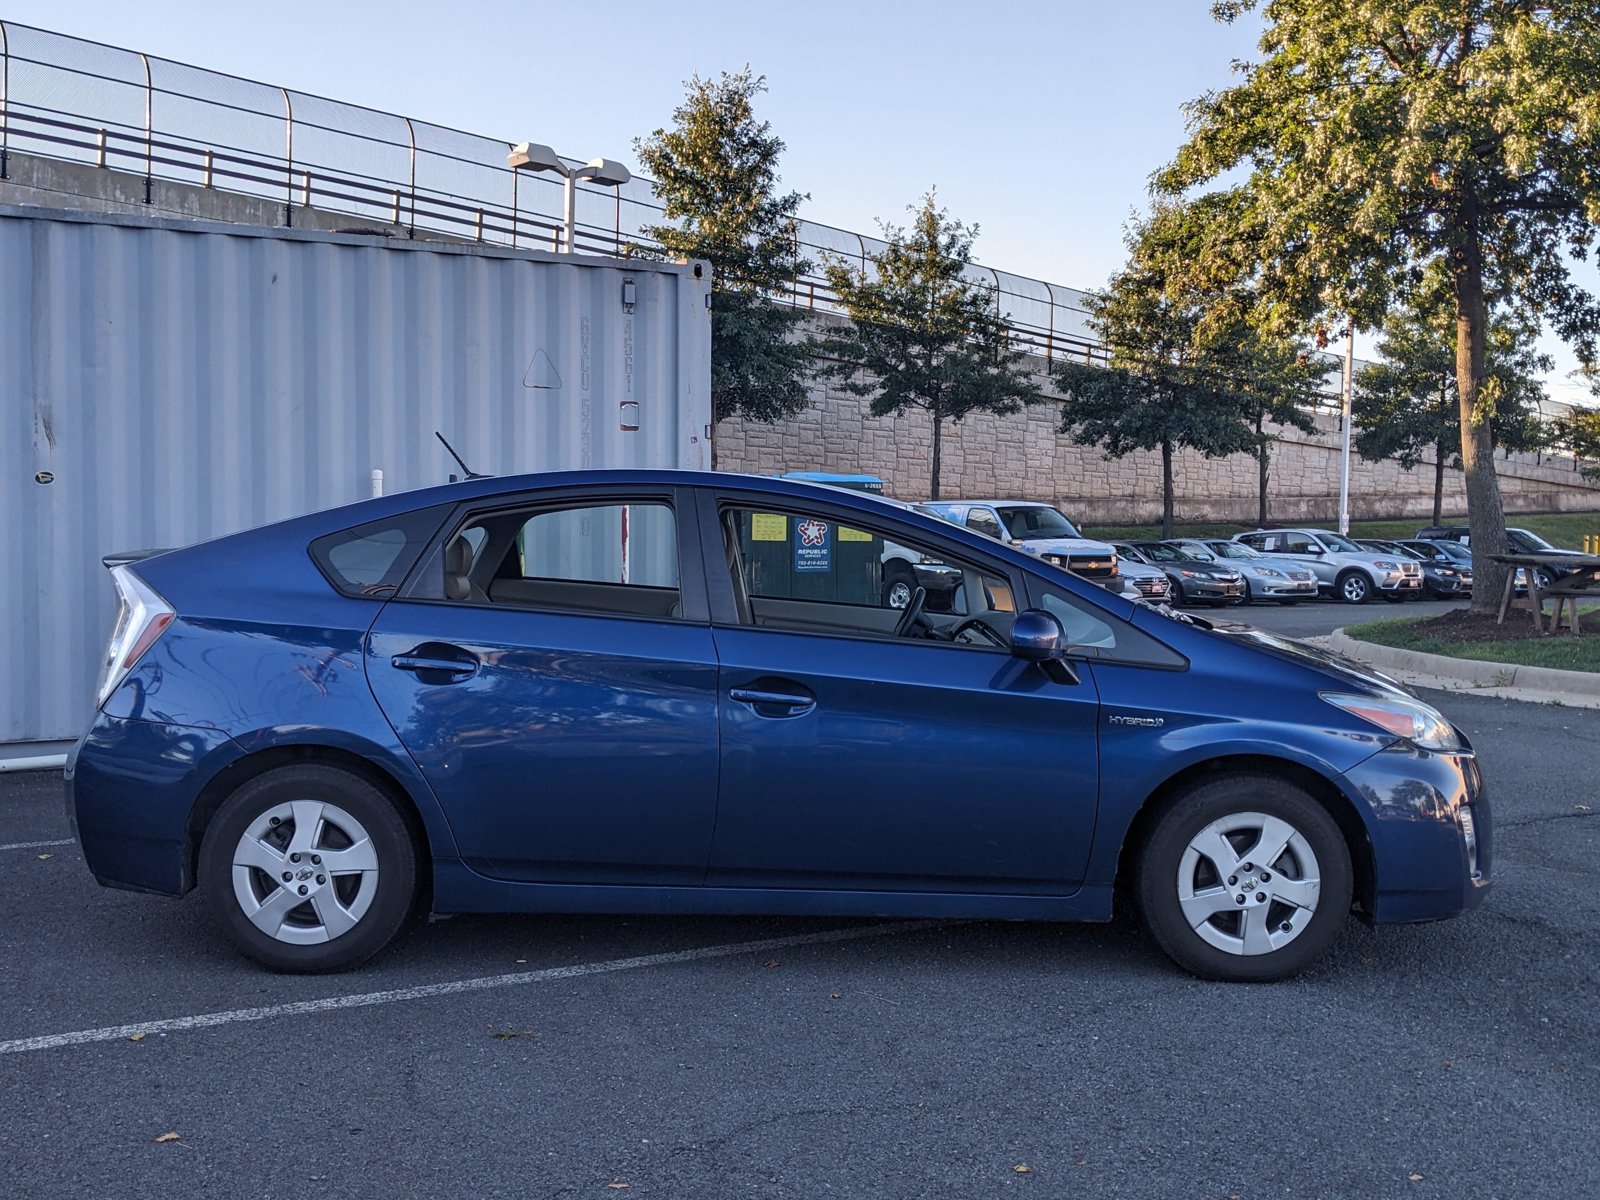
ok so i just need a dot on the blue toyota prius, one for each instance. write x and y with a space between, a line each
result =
672 692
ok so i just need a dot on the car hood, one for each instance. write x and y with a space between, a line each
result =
1065 546
1338 666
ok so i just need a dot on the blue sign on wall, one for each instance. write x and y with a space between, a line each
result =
813 545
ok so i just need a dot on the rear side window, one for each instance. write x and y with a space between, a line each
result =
372 559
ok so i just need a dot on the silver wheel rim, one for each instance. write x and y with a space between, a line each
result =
1355 588
899 594
305 872
1248 883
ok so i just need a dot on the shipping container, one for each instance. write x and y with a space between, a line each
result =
166 382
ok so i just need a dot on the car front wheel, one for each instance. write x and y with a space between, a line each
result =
1354 588
309 868
1245 878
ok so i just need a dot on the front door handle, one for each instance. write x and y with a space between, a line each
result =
774 704
437 662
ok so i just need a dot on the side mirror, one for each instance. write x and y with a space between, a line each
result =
1315 549
1037 637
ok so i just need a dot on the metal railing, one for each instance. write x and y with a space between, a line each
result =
80 101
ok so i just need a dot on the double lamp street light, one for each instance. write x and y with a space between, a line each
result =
531 156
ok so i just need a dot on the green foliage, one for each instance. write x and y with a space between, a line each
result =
922 334
1384 139
1579 432
716 173
1407 405
1186 369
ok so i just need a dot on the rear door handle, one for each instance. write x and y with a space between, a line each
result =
776 704
439 660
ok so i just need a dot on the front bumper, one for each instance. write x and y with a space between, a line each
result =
1284 587
1212 589
1421 866
1397 583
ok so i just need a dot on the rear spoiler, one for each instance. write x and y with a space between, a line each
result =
122 558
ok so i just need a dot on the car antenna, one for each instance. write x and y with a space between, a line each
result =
470 473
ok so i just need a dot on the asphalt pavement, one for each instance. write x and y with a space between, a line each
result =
671 1057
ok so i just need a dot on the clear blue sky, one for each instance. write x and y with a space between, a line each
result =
1038 121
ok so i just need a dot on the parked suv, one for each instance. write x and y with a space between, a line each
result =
1518 541
1035 528
1343 569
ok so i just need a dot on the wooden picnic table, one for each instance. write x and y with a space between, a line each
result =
1575 577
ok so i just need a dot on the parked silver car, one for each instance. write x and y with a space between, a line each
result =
1343 569
1264 578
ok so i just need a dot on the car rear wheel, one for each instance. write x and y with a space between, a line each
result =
309 868
1354 588
1245 878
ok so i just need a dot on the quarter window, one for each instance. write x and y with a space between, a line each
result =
372 559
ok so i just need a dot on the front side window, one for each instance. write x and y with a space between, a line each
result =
1340 545
807 572
1299 543
984 521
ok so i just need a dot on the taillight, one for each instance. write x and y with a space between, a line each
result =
143 618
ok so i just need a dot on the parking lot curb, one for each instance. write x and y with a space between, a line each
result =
1468 670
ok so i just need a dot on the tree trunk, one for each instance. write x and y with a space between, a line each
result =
1264 462
1486 517
1439 452
1166 489
938 442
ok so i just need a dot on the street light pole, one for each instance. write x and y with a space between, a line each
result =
532 156
1344 420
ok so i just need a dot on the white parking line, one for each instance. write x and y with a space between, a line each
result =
36 845
428 991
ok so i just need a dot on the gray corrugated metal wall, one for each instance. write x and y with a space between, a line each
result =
183 381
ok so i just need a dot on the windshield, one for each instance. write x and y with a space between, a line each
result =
1528 542
1036 521
1343 545
1235 550
1454 550
1196 550
1160 553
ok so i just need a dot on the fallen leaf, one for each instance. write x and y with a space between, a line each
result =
1414 1177
136 1037
770 963
42 857
835 995
1023 1169
169 1137
618 1185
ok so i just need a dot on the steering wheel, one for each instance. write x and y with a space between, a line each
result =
911 615
979 625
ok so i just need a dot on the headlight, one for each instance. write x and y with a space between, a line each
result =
1384 565
1189 574
1447 572
1269 573
1410 719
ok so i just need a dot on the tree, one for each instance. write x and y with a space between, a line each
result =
1579 432
716 173
1185 369
1406 404
1385 137
922 333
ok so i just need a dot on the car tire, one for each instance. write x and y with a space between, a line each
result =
1248 597
1543 578
274 833
897 589
1353 587
1198 857
1176 597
